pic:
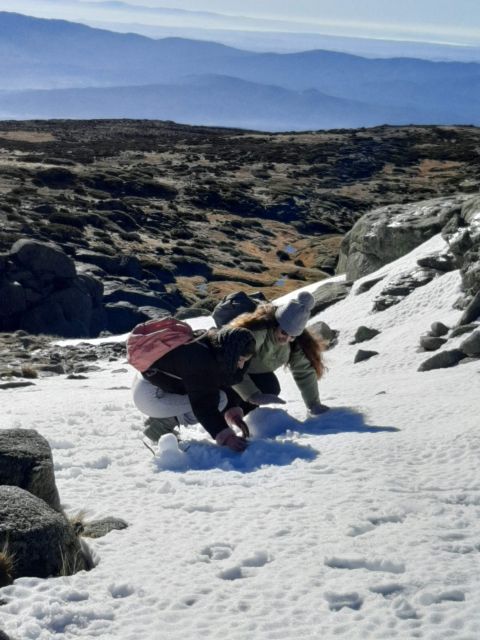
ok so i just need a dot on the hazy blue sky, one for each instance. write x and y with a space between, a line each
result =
448 21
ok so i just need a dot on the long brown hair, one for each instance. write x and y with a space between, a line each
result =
264 318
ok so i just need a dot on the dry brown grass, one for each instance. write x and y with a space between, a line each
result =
27 136
6 566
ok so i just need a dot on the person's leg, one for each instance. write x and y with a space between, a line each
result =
166 411
157 403
266 382
189 418
155 428
160 407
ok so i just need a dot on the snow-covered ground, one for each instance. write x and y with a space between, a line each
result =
362 523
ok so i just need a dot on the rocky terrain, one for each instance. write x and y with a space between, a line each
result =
154 216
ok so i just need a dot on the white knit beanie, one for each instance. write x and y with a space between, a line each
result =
292 316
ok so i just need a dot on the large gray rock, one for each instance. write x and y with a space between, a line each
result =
442 360
438 329
463 236
440 261
26 462
328 294
14 299
464 328
136 297
363 354
41 293
123 316
472 312
42 257
40 540
471 345
121 265
431 343
49 318
388 233
401 287
362 334
100 528
323 331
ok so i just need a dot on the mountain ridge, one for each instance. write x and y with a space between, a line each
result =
403 90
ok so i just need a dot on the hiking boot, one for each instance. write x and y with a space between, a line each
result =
155 428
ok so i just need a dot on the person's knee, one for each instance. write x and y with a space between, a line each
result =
267 382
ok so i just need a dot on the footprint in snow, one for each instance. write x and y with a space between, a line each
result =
247 568
373 522
218 551
451 595
337 601
387 590
376 564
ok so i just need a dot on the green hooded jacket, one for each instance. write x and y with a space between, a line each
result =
270 356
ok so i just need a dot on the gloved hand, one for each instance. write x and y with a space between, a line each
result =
234 418
317 409
227 438
265 398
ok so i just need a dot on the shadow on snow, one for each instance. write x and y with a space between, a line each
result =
271 444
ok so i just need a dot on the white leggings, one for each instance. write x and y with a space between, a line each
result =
157 403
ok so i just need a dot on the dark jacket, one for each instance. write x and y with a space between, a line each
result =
197 370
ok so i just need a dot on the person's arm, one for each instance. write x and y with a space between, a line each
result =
205 398
205 403
305 377
247 388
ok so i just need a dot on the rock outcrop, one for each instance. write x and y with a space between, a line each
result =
39 540
387 233
26 462
44 294
463 237
328 294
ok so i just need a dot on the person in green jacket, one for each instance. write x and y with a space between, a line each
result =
282 339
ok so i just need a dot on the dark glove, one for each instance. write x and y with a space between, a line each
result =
234 418
265 398
317 409
227 438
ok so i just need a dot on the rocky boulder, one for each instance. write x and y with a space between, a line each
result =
464 328
100 528
431 343
122 316
39 540
442 360
26 462
387 233
462 233
362 334
363 354
328 335
42 258
471 345
121 265
438 329
398 289
42 293
328 294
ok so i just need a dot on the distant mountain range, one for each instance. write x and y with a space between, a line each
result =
58 69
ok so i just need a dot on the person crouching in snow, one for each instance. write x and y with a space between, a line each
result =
282 339
192 383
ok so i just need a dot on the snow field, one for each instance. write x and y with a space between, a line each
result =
362 523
